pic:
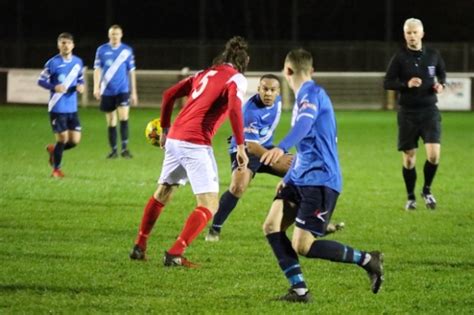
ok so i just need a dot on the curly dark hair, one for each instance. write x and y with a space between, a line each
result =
236 53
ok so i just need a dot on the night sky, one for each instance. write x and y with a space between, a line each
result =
255 19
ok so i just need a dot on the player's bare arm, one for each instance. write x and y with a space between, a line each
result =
133 85
271 156
242 157
97 74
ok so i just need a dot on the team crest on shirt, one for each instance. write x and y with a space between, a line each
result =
431 71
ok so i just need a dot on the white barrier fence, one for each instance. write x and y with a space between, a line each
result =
351 90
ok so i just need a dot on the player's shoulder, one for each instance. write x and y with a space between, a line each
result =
126 46
54 60
311 93
77 59
238 78
104 47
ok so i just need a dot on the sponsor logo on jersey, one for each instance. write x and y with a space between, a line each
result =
61 78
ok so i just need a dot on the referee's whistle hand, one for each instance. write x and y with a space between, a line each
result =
414 82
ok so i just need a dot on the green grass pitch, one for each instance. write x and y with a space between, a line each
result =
65 243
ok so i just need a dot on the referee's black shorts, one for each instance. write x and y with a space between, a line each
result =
424 123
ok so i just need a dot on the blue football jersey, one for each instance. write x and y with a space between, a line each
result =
115 63
68 72
260 122
316 162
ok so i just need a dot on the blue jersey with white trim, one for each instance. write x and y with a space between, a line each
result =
55 72
316 162
260 122
107 57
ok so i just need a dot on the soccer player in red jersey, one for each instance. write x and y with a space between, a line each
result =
212 93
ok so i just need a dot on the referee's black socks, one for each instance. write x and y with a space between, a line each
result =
429 171
409 175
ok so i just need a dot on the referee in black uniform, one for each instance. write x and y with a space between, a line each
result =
418 74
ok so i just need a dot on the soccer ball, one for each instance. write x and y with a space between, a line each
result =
153 132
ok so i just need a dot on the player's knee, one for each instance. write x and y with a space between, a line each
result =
409 161
301 246
433 158
270 226
237 190
163 193
63 138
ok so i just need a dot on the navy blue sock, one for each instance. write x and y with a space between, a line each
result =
287 259
58 154
429 172
124 133
69 145
334 251
227 203
409 175
113 137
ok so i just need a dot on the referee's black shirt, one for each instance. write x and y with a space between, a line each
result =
425 64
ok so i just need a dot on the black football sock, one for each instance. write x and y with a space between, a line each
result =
124 133
288 261
334 251
69 145
113 137
409 175
227 203
58 154
430 172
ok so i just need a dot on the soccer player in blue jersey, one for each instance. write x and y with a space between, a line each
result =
63 75
115 85
261 116
308 193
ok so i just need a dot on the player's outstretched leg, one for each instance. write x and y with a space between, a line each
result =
195 223
150 214
372 262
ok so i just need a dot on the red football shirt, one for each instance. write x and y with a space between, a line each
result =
212 94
